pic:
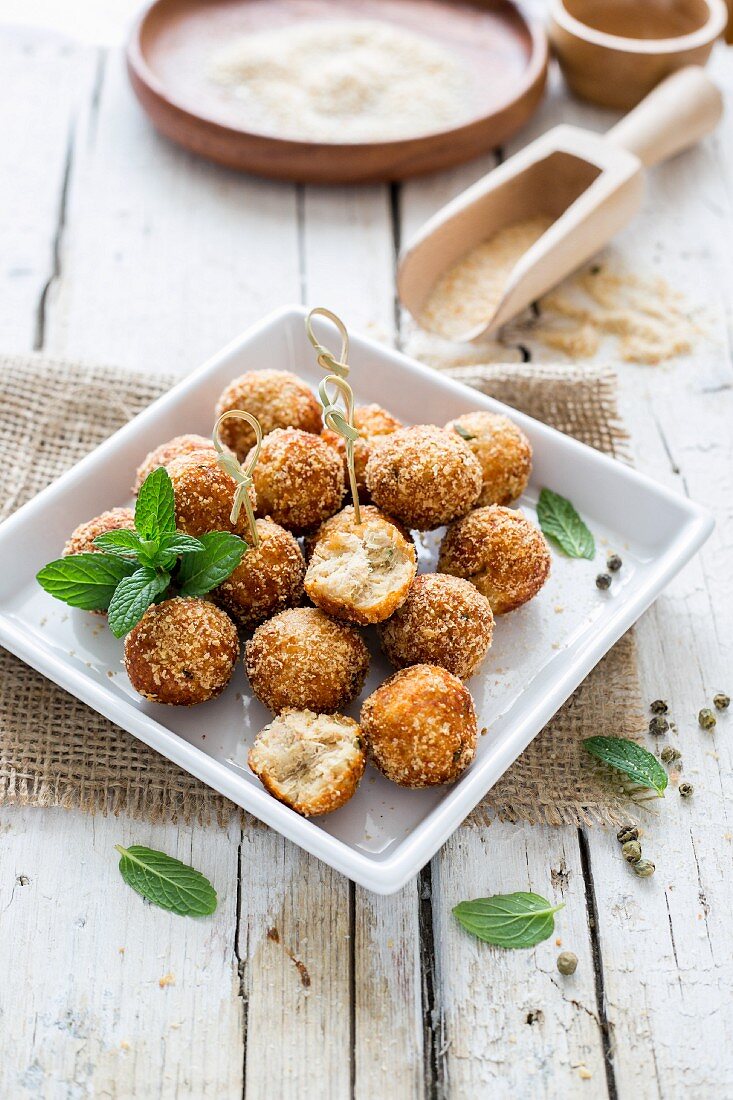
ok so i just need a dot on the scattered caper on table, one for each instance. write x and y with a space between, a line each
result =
706 718
631 851
603 581
613 563
659 706
669 754
721 701
644 868
627 832
567 962
658 725
685 789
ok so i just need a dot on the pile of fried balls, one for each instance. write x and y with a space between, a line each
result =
301 604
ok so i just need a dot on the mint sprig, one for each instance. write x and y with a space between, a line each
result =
133 569
166 881
508 920
561 523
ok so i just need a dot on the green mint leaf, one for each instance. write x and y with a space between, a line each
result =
508 920
200 572
561 523
631 759
463 433
155 511
133 596
179 543
87 581
125 544
166 881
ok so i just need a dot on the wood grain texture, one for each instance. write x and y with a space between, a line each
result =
159 258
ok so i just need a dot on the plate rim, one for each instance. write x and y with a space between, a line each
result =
387 875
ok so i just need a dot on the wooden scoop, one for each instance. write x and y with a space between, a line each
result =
589 184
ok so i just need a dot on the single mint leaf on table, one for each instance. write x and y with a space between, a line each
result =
155 510
508 920
631 759
166 881
87 581
200 572
123 543
180 544
560 522
133 596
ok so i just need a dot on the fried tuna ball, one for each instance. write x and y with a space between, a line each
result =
81 539
301 659
420 727
268 579
425 476
204 495
277 398
311 762
166 452
361 572
503 450
444 621
374 424
298 478
344 520
499 551
182 652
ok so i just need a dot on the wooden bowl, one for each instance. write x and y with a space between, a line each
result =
173 40
613 52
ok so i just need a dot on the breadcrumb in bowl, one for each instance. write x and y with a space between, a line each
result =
278 398
303 660
204 495
361 572
268 579
374 424
182 652
425 476
166 452
420 727
444 621
81 539
503 450
500 552
311 762
299 479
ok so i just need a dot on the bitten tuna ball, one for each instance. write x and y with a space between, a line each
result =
182 652
361 572
424 476
503 450
374 424
302 660
166 452
345 521
298 478
500 552
268 579
81 539
420 727
204 495
277 398
444 621
311 762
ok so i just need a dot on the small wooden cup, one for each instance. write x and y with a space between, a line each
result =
613 52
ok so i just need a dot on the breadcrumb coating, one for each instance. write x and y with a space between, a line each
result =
166 452
81 539
311 762
503 450
444 621
345 521
425 476
299 479
301 659
420 727
373 424
182 652
204 495
499 551
268 579
277 398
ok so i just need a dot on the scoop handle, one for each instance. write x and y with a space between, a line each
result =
681 110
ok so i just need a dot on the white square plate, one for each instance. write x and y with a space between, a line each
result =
539 656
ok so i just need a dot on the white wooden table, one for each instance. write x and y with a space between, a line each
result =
119 247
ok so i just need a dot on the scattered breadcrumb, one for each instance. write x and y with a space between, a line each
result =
166 980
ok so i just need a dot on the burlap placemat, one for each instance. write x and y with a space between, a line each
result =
55 751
